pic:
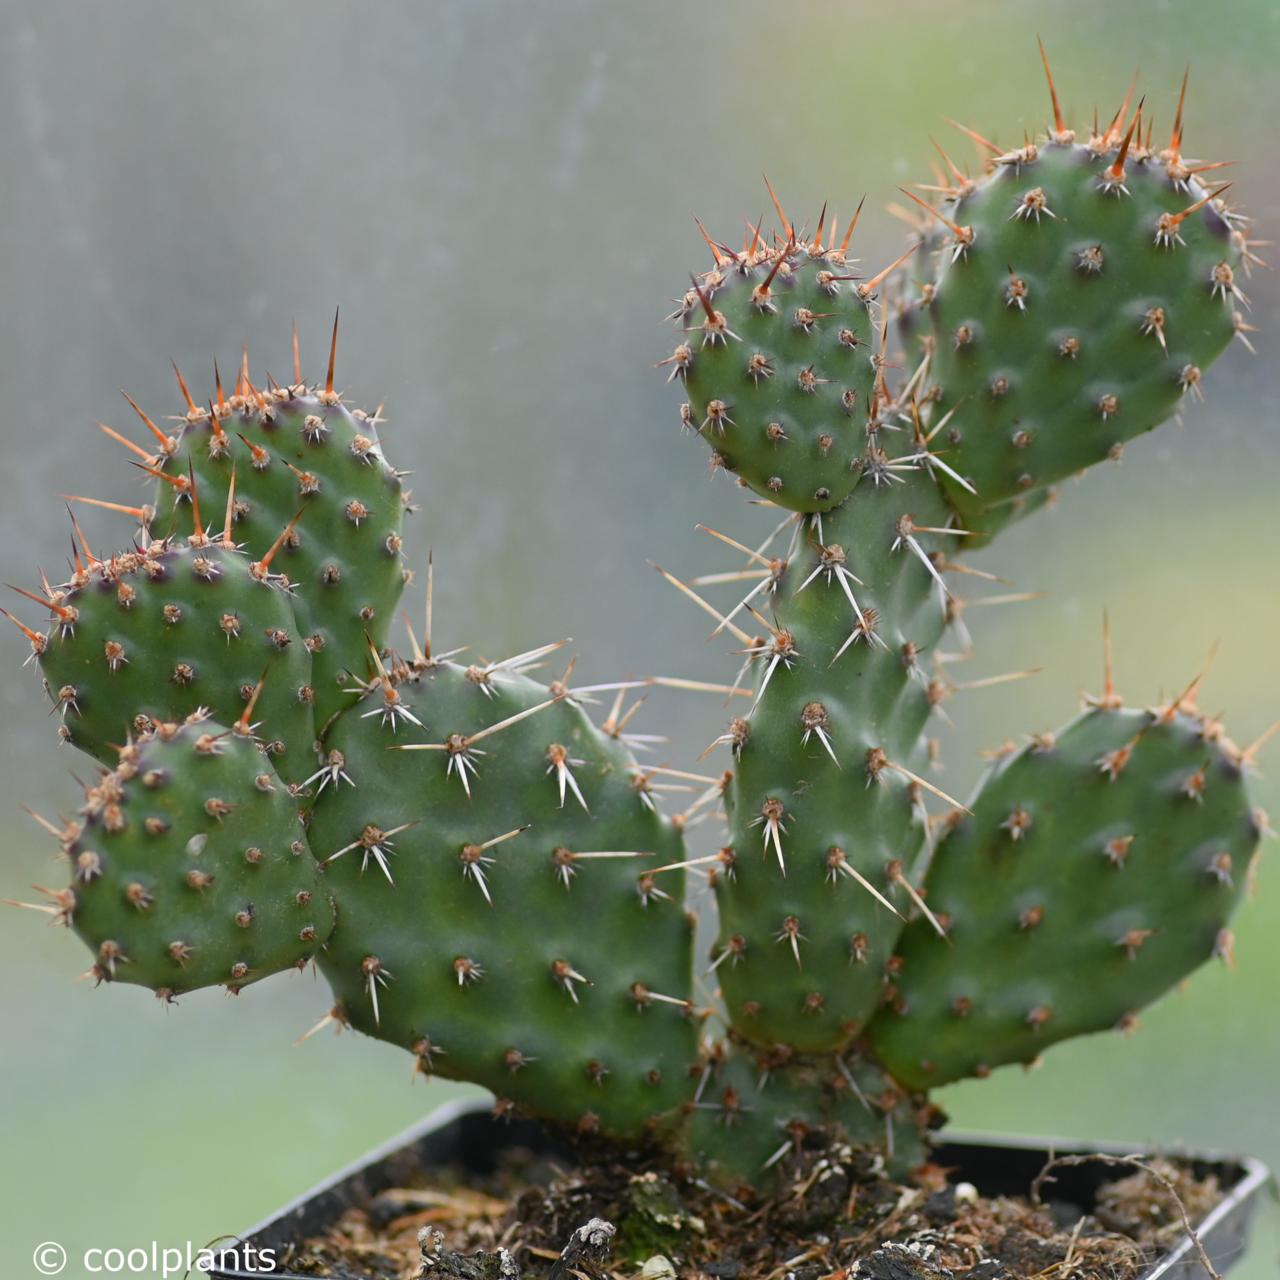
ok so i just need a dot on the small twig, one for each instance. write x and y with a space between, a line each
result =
815 1251
1134 1162
1071 1244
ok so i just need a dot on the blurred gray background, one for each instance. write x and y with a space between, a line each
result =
499 196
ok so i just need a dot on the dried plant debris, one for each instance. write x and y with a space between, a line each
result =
1147 1206
839 1217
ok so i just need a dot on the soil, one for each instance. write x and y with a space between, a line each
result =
837 1217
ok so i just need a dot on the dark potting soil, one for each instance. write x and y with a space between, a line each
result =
835 1217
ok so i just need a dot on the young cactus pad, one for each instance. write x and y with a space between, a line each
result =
484 874
297 458
788 331
190 865
157 632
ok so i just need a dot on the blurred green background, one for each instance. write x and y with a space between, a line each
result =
498 194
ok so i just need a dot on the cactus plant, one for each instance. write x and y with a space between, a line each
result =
483 873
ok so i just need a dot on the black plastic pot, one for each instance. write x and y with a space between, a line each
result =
463 1134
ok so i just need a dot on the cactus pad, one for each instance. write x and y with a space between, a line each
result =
1082 292
498 913
190 867
154 634
1098 868
755 1108
824 807
303 461
776 357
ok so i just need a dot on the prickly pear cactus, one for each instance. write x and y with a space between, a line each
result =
483 873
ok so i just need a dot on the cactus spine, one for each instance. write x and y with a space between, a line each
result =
483 873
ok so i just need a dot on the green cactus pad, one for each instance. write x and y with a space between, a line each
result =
755 1108
1099 867
824 813
298 452
1081 295
776 357
190 867
154 634
823 807
496 912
